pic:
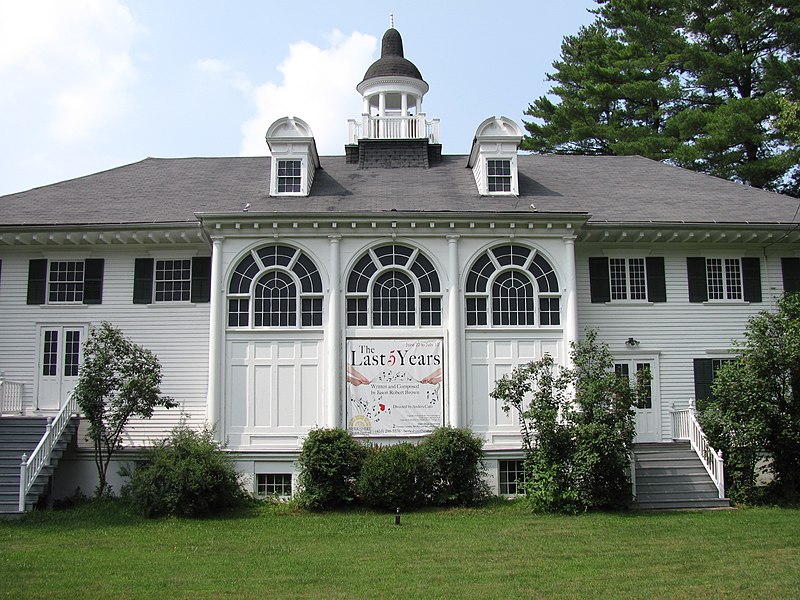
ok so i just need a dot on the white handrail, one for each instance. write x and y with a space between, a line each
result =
10 396
393 127
32 465
686 427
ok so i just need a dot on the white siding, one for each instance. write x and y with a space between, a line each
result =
176 333
677 331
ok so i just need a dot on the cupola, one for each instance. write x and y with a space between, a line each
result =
392 131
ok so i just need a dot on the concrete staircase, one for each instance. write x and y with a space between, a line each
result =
18 436
671 476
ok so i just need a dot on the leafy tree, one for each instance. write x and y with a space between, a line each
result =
118 380
577 428
694 82
755 408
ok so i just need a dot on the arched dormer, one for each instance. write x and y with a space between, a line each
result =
493 157
294 157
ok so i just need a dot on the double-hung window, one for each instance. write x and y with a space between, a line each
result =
289 176
65 281
498 173
724 279
627 279
161 281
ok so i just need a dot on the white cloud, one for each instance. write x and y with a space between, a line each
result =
318 86
65 66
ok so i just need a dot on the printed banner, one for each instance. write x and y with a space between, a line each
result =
394 387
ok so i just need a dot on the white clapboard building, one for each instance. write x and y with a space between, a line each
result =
383 290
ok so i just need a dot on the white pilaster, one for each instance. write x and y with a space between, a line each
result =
570 297
216 329
455 335
333 335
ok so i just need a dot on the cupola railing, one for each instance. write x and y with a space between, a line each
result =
392 127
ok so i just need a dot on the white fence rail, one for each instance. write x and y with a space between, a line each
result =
686 427
393 128
32 465
10 397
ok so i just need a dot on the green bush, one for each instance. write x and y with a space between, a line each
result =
330 462
454 458
188 474
577 428
396 476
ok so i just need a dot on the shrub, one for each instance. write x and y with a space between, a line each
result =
454 459
396 476
329 464
188 474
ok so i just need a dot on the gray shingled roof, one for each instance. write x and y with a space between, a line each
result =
392 61
611 189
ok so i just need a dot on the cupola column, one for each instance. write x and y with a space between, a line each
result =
382 104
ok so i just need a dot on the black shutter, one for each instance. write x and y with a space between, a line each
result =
791 274
201 279
696 270
656 280
37 281
751 279
599 285
93 281
703 378
143 281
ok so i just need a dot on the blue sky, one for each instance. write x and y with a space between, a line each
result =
88 85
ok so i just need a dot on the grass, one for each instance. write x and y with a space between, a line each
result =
100 550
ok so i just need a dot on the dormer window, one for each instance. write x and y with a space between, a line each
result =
294 157
498 172
493 158
289 176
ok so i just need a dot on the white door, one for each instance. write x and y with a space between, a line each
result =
59 361
648 409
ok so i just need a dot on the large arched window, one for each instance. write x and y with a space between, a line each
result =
512 285
393 286
275 286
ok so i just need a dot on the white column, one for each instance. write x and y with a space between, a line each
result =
382 104
455 331
404 127
216 328
570 297
333 336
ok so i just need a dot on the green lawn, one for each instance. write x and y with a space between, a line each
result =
502 551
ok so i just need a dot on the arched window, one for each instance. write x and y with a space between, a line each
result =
512 285
275 286
393 286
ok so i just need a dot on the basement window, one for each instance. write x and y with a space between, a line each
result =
512 477
273 484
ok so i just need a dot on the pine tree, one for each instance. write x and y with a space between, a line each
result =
693 82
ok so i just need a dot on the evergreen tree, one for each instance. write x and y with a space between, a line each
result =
689 81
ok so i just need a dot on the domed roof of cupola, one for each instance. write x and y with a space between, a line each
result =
392 63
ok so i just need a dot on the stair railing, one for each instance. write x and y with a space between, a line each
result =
32 465
685 426
10 396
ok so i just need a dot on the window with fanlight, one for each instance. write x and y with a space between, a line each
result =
512 285
275 286
393 285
